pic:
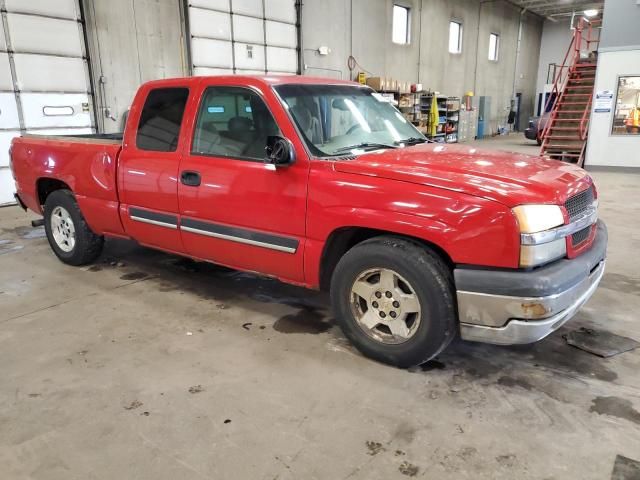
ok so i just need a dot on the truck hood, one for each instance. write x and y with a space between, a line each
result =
509 178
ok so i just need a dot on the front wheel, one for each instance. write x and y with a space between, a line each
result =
394 300
69 236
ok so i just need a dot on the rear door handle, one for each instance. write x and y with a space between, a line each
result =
190 178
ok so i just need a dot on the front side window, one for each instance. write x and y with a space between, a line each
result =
455 37
233 122
161 118
626 119
400 29
336 120
494 42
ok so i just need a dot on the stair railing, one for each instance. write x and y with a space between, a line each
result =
559 82
584 122
561 79
589 40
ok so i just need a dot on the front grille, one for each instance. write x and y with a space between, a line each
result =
580 236
577 204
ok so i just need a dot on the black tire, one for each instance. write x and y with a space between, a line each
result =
430 279
88 245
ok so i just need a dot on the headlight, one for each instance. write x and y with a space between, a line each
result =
542 248
537 218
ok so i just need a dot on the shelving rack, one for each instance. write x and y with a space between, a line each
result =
448 117
408 104
416 107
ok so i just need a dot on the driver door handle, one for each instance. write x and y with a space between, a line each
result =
190 178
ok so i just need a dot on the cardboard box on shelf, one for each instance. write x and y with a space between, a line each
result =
405 100
377 83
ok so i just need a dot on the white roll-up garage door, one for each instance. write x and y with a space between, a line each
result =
44 77
243 36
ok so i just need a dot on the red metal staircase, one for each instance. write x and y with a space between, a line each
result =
565 134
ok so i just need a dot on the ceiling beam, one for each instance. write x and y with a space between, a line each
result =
564 11
547 7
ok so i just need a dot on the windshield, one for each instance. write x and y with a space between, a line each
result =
344 119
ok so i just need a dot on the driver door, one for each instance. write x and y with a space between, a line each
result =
235 209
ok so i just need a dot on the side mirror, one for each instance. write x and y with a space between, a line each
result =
279 151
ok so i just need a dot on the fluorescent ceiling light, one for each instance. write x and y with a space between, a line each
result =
591 12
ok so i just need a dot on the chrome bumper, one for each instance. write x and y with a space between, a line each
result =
523 328
512 307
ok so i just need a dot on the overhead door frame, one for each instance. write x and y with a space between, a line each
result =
14 76
27 69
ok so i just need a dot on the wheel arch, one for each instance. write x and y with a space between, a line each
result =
46 185
343 239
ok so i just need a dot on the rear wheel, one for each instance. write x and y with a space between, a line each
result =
69 236
394 300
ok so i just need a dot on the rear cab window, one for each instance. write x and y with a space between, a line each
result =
161 118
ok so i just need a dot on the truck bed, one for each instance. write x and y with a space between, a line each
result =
85 164
117 137
110 138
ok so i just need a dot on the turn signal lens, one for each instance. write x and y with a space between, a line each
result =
534 255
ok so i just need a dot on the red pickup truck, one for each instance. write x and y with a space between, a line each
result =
323 183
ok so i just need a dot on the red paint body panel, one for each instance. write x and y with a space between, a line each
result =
471 230
88 167
509 178
247 194
456 197
149 179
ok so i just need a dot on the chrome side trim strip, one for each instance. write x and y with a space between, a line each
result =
153 222
239 239
589 217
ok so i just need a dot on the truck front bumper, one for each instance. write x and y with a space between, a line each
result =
513 307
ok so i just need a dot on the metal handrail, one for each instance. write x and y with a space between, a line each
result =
585 117
561 78
587 109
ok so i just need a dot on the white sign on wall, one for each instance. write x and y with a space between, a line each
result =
604 100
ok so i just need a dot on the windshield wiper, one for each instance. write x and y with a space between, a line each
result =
411 141
364 145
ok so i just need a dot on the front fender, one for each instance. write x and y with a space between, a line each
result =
470 230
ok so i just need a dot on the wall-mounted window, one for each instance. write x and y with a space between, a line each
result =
400 31
455 37
626 119
494 46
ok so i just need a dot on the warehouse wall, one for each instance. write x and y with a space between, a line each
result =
362 28
621 25
527 66
619 54
556 37
131 42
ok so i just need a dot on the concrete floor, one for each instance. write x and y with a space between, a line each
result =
147 366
